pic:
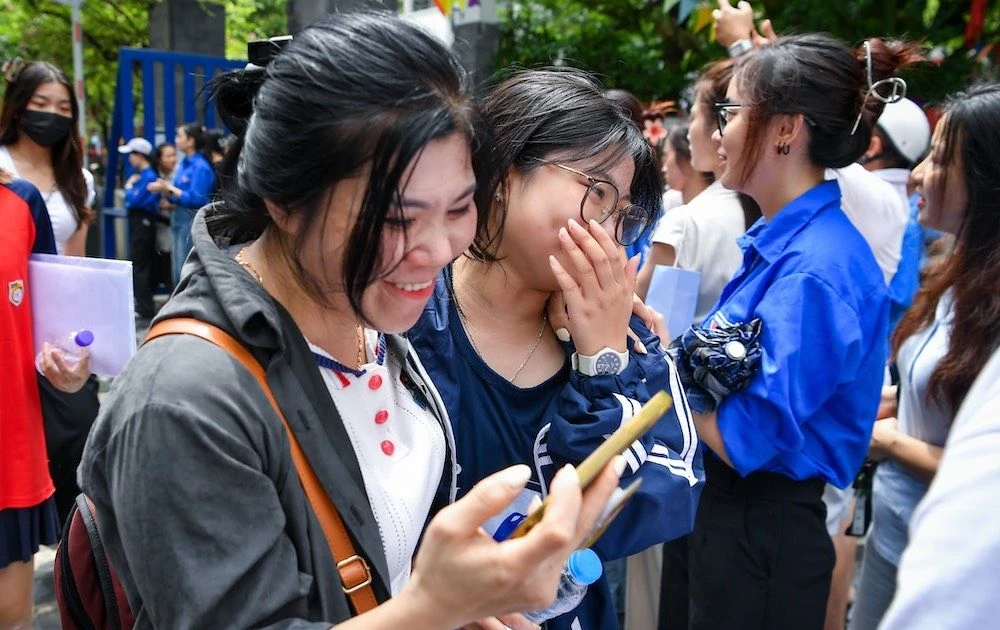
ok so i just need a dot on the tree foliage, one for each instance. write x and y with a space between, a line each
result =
640 45
253 19
40 29
637 45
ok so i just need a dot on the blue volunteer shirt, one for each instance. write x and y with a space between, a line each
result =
813 280
137 197
196 179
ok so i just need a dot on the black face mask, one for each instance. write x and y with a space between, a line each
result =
45 128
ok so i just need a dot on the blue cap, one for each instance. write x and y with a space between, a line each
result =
84 338
585 566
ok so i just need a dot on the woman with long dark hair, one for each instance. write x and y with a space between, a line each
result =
945 338
760 553
701 235
333 228
39 143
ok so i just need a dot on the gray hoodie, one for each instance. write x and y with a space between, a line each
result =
189 467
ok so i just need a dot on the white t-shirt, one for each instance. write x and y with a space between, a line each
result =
60 214
672 199
899 179
703 234
948 577
400 448
875 209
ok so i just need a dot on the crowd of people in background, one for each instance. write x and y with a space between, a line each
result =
447 297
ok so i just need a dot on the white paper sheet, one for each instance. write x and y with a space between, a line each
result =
673 292
72 293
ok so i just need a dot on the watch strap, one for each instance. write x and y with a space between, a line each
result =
587 364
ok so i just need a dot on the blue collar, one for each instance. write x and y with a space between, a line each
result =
332 364
194 158
771 238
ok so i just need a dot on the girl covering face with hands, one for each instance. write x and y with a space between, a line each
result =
526 336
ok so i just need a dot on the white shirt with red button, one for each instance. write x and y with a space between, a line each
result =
399 444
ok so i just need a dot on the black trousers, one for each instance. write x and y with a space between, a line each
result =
68 419
759 556
142 240
674 587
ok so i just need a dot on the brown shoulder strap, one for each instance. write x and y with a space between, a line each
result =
355 576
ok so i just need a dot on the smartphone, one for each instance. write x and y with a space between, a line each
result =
620 440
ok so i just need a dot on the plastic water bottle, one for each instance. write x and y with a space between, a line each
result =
71 348
582 569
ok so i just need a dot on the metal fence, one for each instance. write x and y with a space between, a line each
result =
165 88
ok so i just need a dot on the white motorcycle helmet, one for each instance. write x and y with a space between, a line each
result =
905 126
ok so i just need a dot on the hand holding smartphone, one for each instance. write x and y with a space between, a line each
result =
589 468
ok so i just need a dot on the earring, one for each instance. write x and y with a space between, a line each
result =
498 196
783 148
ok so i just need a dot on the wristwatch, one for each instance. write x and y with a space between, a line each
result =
607 361
739 47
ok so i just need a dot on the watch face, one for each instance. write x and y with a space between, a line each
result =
607 363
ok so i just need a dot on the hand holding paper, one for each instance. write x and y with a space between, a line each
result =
72 293
673 292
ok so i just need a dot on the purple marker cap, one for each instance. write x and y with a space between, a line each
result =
84 338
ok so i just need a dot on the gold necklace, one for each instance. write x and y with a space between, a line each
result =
468 332
241 258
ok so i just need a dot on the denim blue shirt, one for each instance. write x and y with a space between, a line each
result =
196 179
813 280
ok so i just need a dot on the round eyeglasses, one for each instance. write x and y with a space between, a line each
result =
600 203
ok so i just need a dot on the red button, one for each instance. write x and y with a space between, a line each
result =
375 382
388 447
382 417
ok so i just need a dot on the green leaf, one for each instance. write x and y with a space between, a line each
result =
670 4
930 12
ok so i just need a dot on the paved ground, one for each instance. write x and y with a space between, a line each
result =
46 613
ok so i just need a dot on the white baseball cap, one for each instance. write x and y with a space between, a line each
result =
905 124
137 145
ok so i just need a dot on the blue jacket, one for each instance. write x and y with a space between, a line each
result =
571 422
813 280
196 179
138 198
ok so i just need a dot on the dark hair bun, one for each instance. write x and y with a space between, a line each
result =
822 78
233 93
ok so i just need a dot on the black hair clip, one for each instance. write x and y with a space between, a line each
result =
260 52
12 69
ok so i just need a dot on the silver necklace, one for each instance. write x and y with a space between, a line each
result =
465 326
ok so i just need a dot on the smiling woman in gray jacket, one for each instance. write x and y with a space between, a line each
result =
335 225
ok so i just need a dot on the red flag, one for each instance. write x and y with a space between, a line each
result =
977 15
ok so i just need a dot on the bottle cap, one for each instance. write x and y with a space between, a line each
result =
585 566
84 338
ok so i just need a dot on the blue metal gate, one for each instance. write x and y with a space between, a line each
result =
158 96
